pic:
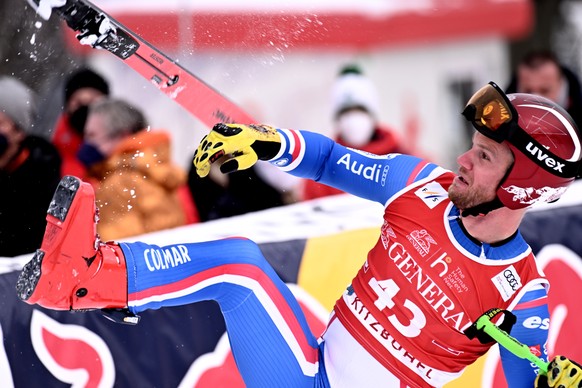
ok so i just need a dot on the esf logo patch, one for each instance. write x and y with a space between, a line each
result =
432 194
537 323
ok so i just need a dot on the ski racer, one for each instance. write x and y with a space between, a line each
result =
448 250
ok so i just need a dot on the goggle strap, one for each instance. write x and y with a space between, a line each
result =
538 154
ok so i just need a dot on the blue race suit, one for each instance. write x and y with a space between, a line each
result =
269 336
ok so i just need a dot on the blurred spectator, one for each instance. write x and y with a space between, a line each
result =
138 190
540 72
355 109
225 195
29 172
82 88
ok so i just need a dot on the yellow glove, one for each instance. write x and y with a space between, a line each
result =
236 147
562 373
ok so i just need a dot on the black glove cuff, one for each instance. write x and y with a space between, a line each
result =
266 150
484 338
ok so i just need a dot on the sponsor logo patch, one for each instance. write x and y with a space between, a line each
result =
507 282
432 194
421 241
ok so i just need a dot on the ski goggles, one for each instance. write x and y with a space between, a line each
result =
491 113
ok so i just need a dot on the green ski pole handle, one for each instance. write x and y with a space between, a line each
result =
510 343
502 337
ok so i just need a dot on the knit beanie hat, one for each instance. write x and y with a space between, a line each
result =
354 90
17 101
85 78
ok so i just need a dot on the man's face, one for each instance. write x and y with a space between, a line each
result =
97 134
480 171
544 80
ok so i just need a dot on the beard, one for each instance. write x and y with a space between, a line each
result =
470 197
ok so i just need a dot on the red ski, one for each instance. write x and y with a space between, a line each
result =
99 30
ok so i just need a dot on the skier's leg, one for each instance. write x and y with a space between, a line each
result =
269 336
73 270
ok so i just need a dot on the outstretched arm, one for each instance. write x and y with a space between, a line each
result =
313 156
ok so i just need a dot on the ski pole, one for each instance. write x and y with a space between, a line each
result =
507 341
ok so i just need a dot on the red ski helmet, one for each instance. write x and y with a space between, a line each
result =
543 138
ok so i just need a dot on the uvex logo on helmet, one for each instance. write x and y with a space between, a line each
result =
544 157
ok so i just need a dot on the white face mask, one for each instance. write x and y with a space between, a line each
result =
356 127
